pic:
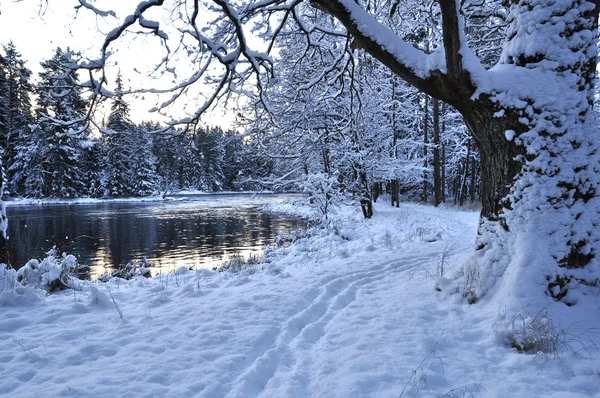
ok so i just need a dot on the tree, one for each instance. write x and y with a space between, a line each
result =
143 163
531 116
59 113
93 165
16 109
118 172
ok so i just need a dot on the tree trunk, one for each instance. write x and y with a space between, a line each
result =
367 207
443 160
463 180
4 259
424 196
437 180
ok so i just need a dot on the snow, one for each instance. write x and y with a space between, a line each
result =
50 201
420 63
172 196
350 310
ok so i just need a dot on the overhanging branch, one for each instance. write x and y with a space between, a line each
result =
412 65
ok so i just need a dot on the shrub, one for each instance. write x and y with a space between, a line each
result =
130 270
239 263
52 273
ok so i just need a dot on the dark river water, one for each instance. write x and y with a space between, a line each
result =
194 230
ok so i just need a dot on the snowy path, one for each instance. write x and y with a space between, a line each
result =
285 364
351 316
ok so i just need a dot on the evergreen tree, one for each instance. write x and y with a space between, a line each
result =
117 176
130 163
60 109
233 159
169 150
93 161
143 164
15 110
208 160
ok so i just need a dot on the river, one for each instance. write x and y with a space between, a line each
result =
191 230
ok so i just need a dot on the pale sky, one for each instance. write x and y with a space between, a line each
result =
37 31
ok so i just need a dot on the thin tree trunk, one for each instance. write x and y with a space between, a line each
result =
424 196
443 160
437 183
4 259
463 182
473 178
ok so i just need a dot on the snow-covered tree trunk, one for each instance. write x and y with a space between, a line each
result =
539 138
536 130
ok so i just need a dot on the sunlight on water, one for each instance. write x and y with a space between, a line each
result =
193 230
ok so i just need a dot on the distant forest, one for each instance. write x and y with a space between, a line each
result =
49 150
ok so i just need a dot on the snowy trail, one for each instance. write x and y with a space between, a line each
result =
302 331
350 314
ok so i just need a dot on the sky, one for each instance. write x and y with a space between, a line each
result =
37 27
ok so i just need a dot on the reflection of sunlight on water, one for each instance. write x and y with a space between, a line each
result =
201 233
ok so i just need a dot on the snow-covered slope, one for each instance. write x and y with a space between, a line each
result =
349 313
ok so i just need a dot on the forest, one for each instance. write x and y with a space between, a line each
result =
426 153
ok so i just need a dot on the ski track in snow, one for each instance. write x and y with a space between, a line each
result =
307 327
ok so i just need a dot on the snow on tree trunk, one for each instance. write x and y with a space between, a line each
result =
538 111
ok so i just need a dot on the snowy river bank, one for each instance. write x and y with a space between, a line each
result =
353 310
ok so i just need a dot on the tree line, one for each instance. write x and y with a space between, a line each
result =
49 149
399 142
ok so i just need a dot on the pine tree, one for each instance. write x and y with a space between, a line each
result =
130 163
208 160
143 164
117 176
60 109
93 161
169 150
18 93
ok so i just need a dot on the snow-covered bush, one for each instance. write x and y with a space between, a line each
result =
532 334
324 192
52 273
13 293
239 263
130 270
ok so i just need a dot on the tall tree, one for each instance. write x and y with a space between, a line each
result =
15 110
118 172
60 111
437 177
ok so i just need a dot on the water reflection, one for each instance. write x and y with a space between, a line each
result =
196 230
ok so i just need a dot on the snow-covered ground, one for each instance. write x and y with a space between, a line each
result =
352 312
